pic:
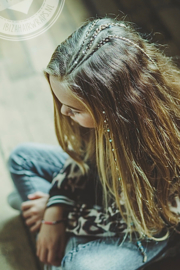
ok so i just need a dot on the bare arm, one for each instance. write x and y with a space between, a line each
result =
52 238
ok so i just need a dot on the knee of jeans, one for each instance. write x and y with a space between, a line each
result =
95 256
80 258
69 259
16 156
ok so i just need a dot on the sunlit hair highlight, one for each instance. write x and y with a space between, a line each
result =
141 99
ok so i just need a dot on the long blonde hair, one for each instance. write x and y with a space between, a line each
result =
139 90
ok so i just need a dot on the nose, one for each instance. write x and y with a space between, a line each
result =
65 110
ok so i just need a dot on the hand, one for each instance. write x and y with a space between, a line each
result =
33 210
51 240
51 243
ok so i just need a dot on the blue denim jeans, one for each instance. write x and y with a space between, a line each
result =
32 167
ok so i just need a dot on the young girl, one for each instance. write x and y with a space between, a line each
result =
113 203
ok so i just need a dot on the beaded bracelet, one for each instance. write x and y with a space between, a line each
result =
53 222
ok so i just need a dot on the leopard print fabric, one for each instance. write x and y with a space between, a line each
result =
83 196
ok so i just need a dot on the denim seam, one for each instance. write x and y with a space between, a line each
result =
25 159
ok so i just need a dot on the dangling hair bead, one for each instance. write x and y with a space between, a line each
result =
142 250
110 140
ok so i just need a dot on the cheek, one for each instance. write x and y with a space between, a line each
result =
86 122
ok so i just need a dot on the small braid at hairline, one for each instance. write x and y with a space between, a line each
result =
74 62
97 31
78 62
102 42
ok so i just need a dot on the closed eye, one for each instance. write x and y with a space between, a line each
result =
75 112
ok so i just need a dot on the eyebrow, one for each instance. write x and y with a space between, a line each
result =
72 107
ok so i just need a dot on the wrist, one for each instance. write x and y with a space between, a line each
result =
63 220
55 212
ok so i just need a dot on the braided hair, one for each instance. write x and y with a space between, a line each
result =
109 67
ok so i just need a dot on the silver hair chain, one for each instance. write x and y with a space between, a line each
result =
110 37
104 41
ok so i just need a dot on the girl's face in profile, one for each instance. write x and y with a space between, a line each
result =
71 106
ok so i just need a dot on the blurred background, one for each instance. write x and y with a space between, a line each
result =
26 109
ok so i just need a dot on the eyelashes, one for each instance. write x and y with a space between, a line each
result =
74 112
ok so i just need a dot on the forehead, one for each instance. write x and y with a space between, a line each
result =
57 85
64 94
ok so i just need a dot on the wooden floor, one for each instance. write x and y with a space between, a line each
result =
26 111
26 114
